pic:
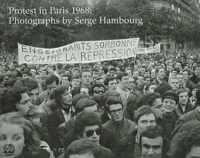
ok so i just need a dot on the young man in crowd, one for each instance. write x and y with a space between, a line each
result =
145 118
169 116
123 87
151 143
174 82
87 125
50 84
184 104
119 134
111 83
117 131
86 78
161 76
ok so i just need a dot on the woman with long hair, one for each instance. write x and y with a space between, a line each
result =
18 138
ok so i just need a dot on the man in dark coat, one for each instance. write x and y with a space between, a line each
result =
117 131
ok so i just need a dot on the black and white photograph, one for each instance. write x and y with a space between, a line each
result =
99 78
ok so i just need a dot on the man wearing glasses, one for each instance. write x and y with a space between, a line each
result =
87 126
117 132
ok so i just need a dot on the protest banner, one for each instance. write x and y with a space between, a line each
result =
149 50
79 52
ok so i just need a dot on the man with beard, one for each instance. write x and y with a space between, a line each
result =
151 142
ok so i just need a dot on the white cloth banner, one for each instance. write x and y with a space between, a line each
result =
149 50
79 52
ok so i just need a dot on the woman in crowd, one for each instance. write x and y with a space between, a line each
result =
18 138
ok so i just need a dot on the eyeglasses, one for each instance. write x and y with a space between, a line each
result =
98 92
90 133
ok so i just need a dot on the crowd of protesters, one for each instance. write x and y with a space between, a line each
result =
144 107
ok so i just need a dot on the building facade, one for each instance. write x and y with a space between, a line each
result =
184 11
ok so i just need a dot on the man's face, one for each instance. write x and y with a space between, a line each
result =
153 73
151 147
180 78
140 81
185 75
170 67
174 83
178 65
86 77
75 73
125 81
112 85
25 103
34 93
194 92
147 80
83 155
161 73
116 112
169 105
76 82
146 121
194 152
12 140
135 73
183 98
197 71
174 73
142 70
92 133
131 83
